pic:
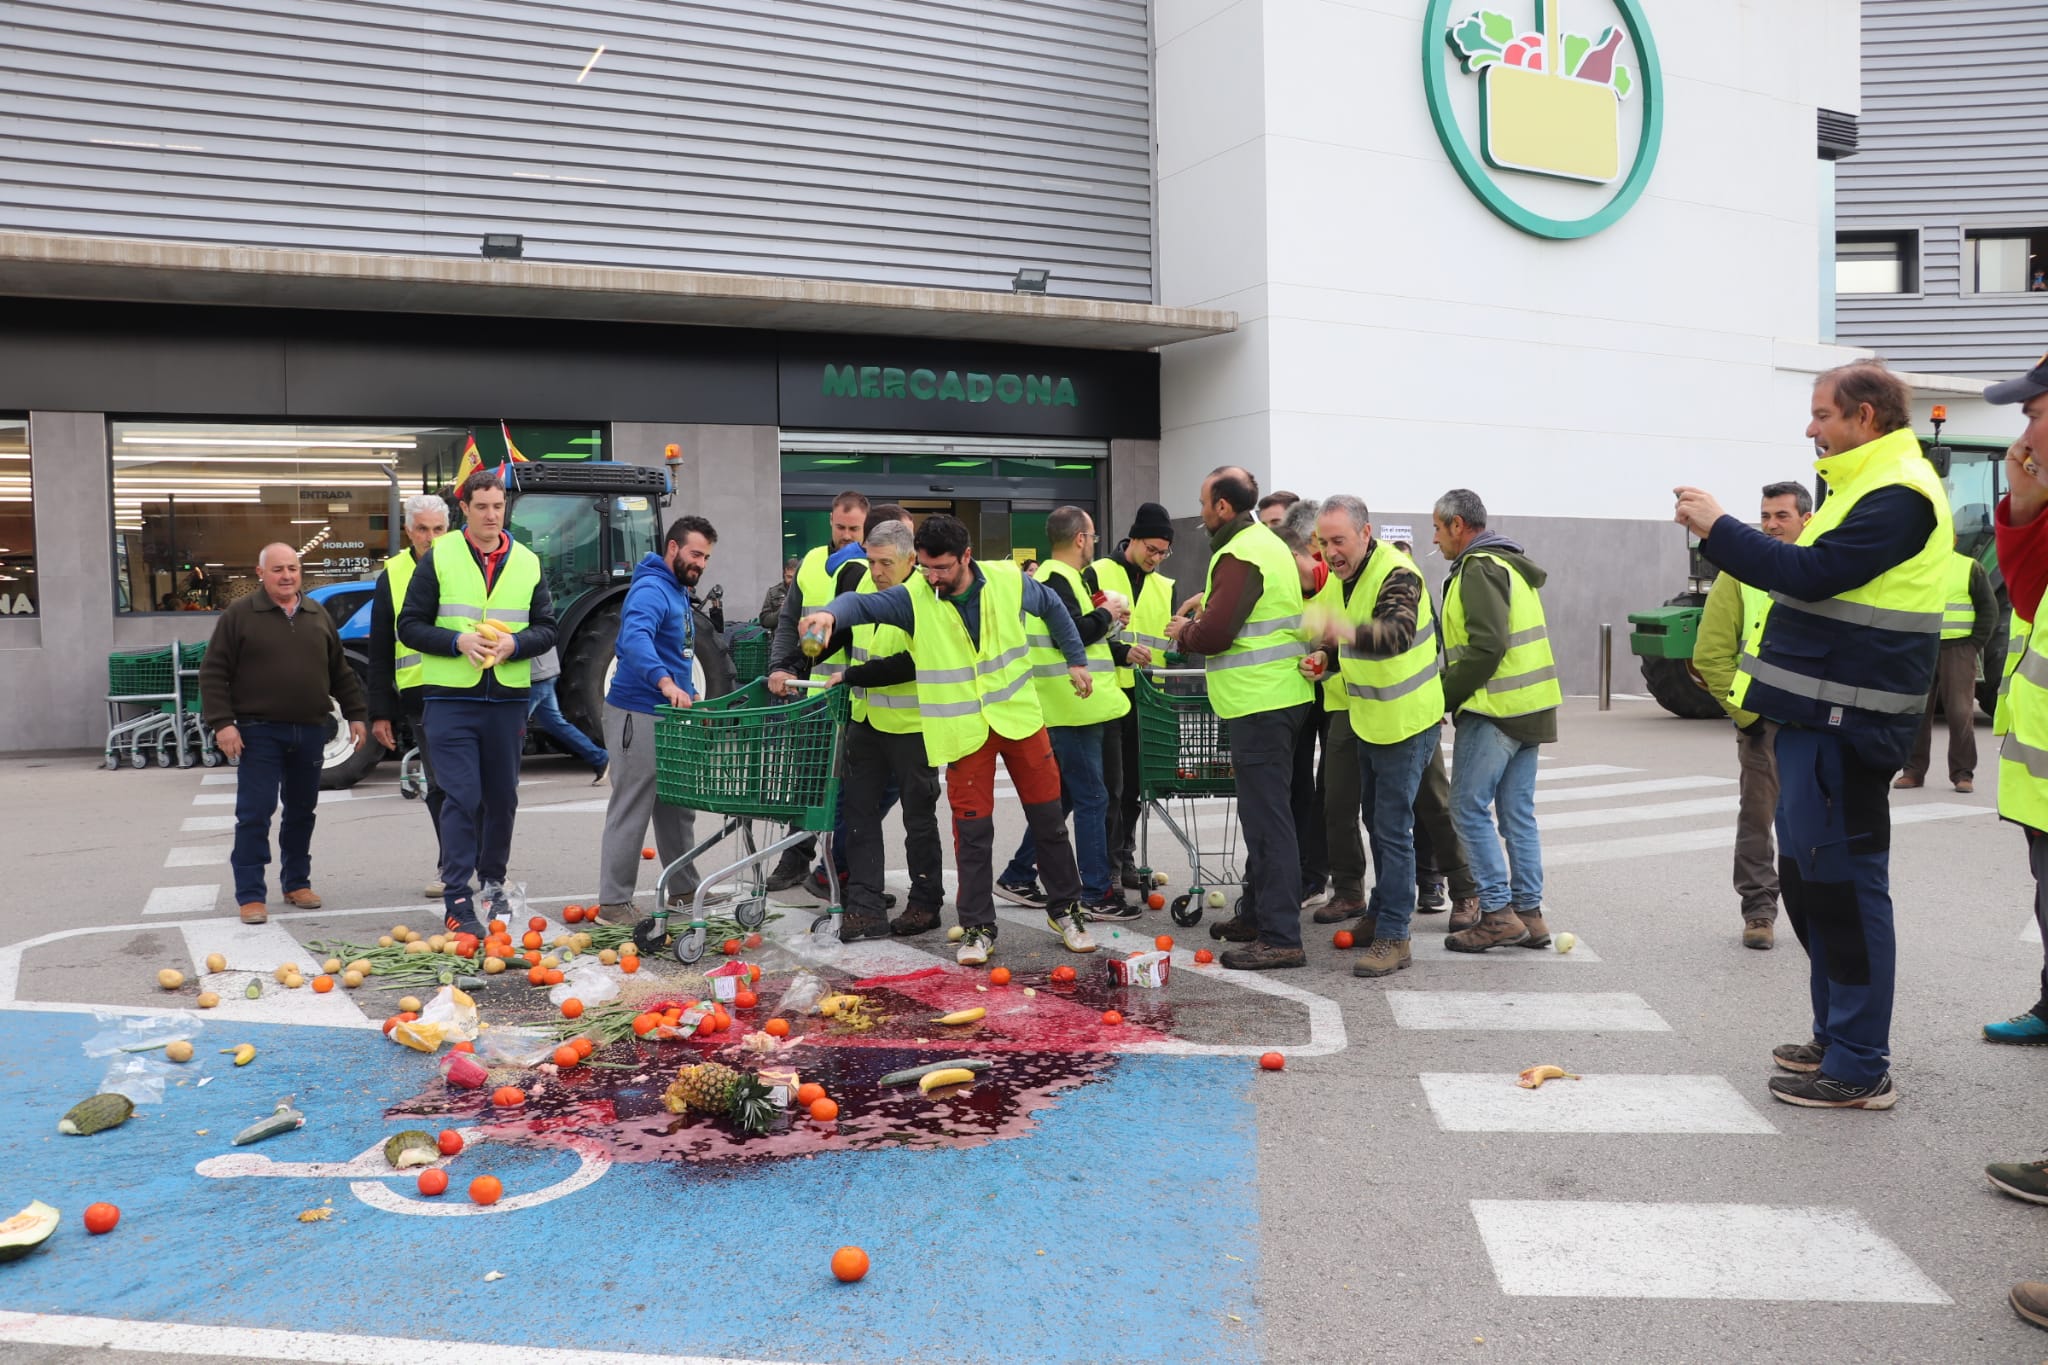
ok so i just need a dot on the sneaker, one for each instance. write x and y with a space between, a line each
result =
602 773
1818 1091
1539 932
1023 893
918 919
1802 1057
791 868
461 919
1464 913
2027 1030
975 945
1314 894
1496 929
2026 1180
1338 909
1383 957
1113 908
1239 928
2030 1300
1129 878
1759 933
1070 922
1429 898
819 885
1263 957
852 930
435 889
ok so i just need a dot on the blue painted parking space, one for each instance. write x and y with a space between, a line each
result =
1122 1223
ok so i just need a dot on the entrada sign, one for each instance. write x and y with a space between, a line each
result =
949 386
1584 108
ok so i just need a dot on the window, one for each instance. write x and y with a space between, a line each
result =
1877 262
18 596
195 502
2006 262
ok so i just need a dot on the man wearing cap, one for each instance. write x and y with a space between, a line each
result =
1841 657
1133 573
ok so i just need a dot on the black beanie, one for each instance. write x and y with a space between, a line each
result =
1152 523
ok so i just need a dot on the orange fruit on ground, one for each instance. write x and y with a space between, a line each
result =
508 1097
629 963
486 1189
849 1264
554 976
1112 1018
590 914
462 1047
101 1218
407 1016
1343 938
1272 1061
731 947
809 1093
745 1000
572 1008
566 1056
1204 956
648 854
389 1024
584 1047
1164 943
433 1181
531 939
999 976
531 956
1063 973
536 977
449 1141
1155 901
776 1028
645 1024
499 926
536 924
753 940
754 972
824 1110
322 984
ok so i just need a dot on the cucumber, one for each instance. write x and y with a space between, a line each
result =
918 1073
96 1115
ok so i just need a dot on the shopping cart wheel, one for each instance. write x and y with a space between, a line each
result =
751 914
112 764
690 946
1187 911
405 790
137 759
650 935
210 757
188 759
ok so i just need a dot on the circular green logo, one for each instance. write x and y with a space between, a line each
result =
1550 105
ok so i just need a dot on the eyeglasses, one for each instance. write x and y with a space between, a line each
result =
938 570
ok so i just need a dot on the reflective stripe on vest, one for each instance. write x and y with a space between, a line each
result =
1056 699
1391 699
1329 599
891 709
2016 633
817 585
407 664
1525 679
2023 752
1958 616
965 688
464 604
1151 609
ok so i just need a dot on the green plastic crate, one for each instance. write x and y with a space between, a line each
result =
750 754
1183 747
139 673
749 646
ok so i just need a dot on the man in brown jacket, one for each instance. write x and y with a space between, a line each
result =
274 660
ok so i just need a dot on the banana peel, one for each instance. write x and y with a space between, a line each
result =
1535 1076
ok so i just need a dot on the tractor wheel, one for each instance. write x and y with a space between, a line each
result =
341 766
586 671
1672 681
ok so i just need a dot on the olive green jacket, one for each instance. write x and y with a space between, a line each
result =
1719 645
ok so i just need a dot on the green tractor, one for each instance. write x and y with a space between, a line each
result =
1972 469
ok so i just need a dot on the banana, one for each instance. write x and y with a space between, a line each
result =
1535 1076
832 1004
956 1075
244 1053
961 1016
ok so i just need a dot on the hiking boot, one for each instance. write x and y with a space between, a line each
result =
1759 933
2026 1180
791 868
2030 1301
1025 894
1070 922
1802 1057
1818 1091
918 919
1127 876
1112 908
254 913
1336 911
1429 898
304 898
975 945
2027 1030
852 929
1906 782
1496 929
1263 957
1539 932
1464 913
1383 957
1239 928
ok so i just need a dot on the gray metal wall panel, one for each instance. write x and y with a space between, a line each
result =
924 142
1954 138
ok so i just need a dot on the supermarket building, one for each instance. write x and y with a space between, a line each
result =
245 292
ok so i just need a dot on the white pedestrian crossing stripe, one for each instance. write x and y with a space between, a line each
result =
2032 933
1554 1011
1593 1249
1719 836
1582 770
219 779
207 824
181 900
1492 1102
254 952
1607 791
1601 816
195 856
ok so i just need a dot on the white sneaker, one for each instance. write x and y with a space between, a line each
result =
435 889
975 945
1071 924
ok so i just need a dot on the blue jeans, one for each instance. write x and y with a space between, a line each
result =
1490 771
1078 751
1389 775
276 760
543 710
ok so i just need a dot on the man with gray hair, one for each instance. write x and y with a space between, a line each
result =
395 669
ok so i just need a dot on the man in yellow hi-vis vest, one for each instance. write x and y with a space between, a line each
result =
1132 572
396 670
1841 657
477 610
1968 615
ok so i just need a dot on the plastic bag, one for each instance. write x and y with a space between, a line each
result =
139 1078
515 1046
455 1015
804 991
588 980
516 912
140 1032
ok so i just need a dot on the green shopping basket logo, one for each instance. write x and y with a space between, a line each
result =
1541 100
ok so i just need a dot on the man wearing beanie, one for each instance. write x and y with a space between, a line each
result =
1133 570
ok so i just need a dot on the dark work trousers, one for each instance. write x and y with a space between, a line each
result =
476 756
1756 870
1438 852
1339 780
1262 747
881 768
970 789
1834 871
1955 690
1305 793
415 719
278 761
1123 788
2037 859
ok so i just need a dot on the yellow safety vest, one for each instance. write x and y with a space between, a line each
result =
1261 669
2016 634
1151 609
965 688
464 605
891 709
408 666
1391 699
816 584
1056 697
1525 681
1330 597
1958 617
2023 753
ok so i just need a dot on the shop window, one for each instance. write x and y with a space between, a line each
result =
18 596
804 528
2007 261
1877 262
194 502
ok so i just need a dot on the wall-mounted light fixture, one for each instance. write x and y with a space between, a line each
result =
503 246
1031 280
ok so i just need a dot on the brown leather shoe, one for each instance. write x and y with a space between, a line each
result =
254 913
2030 1301
1496 929
1464 913
303 898
1263 957
1383 958
1335 911
1906 781
1759 933
1964 784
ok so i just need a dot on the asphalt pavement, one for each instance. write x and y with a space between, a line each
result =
1138 1191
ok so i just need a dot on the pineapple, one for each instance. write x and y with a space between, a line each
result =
721 1092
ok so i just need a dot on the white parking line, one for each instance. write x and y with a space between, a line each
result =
214 799
181 900
1556 1011
1493 1102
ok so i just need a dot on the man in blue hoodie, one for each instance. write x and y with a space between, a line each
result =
656 657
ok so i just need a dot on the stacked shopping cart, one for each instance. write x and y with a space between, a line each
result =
153 708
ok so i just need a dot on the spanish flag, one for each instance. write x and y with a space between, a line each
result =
470 462
512 455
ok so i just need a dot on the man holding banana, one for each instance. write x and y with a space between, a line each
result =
478 610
